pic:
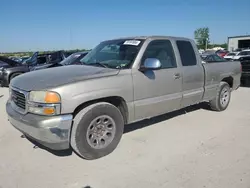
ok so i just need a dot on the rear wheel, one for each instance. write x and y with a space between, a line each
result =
222 99
97 130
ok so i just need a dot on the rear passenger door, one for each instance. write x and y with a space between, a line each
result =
192 73
157 91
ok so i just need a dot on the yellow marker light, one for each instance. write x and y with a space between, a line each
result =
52 97
49 110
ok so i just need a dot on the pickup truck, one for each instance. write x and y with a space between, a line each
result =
85 107
245 75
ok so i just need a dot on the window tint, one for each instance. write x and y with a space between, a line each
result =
187 53
162 50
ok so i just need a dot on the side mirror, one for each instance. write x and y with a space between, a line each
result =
151 64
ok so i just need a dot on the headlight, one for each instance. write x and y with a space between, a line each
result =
44 102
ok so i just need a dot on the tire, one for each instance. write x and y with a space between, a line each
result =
14 75
222 99
85 131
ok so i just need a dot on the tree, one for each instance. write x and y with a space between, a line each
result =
201 36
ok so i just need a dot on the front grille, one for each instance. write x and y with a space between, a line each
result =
18 98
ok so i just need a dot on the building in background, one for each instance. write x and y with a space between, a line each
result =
237 42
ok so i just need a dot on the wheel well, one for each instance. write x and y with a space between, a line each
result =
119 102
12 74
229 80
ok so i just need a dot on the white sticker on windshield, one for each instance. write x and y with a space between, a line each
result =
132 42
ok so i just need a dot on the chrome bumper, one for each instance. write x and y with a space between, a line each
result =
51 131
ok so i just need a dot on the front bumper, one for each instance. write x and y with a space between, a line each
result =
52 132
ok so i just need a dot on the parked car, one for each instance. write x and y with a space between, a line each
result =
245 75
6 63
8 73
24 58
238 50
122 81
243 53
222 53
17 59
212 58
230 55
73 59
207 52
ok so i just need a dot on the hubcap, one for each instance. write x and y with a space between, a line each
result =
101 132
224 97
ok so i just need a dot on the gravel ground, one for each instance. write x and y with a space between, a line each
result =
195 148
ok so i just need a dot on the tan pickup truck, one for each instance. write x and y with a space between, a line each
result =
85 107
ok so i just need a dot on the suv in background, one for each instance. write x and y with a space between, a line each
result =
243 53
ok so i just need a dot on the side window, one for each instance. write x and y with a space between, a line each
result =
187 54
162 50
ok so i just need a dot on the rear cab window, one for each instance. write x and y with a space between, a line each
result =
187 54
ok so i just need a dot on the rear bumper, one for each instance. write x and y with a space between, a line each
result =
52 132
245 76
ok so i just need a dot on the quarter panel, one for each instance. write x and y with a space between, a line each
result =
216 72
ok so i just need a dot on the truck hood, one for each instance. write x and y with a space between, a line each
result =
51 78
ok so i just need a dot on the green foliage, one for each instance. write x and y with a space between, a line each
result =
201 36
224 45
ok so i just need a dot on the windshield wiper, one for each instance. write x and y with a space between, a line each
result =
100 64
94 64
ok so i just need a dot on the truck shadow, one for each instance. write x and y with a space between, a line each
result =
131 127
148 122
59 153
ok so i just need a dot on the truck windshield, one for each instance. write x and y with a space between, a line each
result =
117 54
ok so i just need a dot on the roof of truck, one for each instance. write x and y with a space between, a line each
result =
152 37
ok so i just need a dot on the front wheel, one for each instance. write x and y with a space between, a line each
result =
97 130
222 99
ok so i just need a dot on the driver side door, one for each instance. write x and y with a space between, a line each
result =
157 91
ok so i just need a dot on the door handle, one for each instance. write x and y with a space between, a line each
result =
177 76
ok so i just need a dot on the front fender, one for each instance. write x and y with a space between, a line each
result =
69 105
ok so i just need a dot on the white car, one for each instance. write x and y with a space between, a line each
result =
241 54
230 55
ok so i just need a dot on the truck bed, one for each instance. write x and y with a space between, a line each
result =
217 71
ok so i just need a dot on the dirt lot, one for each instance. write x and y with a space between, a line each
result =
193 149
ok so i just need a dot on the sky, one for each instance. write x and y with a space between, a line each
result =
31 25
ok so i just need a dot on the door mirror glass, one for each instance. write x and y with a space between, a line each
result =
152 64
